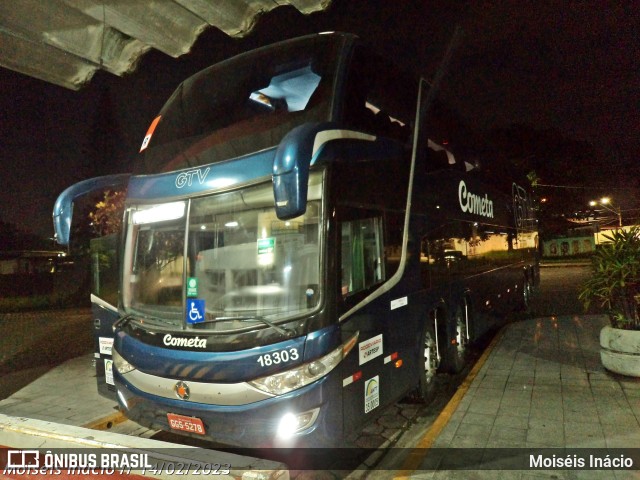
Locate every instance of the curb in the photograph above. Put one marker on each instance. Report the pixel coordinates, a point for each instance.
(418, 453)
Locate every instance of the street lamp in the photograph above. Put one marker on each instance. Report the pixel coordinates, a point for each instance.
(604, 202)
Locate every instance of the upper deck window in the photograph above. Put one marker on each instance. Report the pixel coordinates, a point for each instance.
(290, 90)
(380, 97)
(245, 104)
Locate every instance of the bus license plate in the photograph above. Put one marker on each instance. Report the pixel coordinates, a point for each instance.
(186, 424)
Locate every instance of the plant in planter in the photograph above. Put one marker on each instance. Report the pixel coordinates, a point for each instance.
(615, 285)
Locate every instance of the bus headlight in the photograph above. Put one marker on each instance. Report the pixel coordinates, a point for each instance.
(121, 365)
(284, 382)
(290, 423)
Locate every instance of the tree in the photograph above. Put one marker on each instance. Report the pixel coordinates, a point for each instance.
(106, 218)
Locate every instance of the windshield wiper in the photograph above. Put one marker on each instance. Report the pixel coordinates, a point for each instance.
(285, 332)
(124, 321)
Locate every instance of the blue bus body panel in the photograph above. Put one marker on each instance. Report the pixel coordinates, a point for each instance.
(253, 424)
(230, 366)
(321, 342)
(201, 179)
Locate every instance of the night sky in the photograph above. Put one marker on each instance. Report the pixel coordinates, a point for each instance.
(568, 66)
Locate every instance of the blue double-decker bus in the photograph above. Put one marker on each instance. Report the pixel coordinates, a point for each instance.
(296, 254)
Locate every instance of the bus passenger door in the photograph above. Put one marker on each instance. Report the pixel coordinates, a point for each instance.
(370, 381)
(104, 298)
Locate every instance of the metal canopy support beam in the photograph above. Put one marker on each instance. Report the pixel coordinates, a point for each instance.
(161, 24)
(44, 62)
(66, 41)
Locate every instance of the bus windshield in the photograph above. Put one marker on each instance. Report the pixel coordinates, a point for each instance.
(243, 105)
(241, 260)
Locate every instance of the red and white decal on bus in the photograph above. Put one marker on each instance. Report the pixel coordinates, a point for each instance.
(369, 349)
(353, 378)
(147, 137)
(393, 356)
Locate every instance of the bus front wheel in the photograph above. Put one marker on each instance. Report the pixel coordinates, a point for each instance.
(428, 364)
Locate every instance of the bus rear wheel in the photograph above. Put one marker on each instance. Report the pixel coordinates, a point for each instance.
(428, 365)
(527, 290)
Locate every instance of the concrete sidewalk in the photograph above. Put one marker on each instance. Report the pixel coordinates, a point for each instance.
(68, 395)
(62, 412)
(542, 386)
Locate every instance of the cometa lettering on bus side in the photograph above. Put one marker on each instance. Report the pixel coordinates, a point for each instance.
(195, 342)
(472, 203)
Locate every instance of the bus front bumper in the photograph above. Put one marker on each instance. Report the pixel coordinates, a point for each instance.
(308, 417)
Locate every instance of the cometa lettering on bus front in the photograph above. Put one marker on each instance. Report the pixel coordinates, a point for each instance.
(472, 203)
(195, 342)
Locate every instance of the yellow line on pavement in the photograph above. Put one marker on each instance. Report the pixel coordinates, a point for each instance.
(417, 454)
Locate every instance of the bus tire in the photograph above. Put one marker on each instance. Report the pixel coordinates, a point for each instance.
(428, 363)
(458, 348)
(527, 290)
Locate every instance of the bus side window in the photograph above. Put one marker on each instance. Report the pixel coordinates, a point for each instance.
(362, 254)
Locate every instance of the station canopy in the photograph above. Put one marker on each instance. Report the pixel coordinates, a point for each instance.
(65, 42)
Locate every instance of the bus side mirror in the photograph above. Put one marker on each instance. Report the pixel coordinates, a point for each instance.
(291, 170)
(298, 150)
(63, 208)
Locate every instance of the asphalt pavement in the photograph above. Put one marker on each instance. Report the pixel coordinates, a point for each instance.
(32, 343)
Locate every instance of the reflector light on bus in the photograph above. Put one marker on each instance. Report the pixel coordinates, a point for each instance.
(159, 213)
(123, 400)
(120, 364)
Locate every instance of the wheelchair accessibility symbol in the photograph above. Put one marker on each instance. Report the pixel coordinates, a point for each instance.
(195, 310)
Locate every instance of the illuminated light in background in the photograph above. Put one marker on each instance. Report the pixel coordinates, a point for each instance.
(159, 213)
(265, 259)
(221, 182)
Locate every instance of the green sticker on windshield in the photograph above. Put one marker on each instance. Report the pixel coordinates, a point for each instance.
(192, 287)
(266, 245)
(266, 250)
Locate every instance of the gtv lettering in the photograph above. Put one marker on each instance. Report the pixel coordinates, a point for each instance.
(472, 203)
(186, 178)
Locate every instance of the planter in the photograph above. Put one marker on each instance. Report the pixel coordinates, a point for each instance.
(620, 350)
